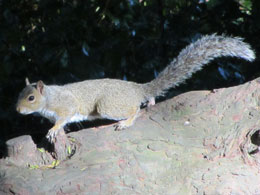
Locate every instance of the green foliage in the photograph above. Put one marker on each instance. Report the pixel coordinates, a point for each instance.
(246, 6)
(41, 150)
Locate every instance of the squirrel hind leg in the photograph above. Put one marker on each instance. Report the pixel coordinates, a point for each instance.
(129, 121)
(151, 102)
(125, 110)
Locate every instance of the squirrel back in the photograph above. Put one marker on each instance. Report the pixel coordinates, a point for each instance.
(194, 57)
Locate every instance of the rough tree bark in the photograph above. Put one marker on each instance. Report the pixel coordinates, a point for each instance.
(203, 142)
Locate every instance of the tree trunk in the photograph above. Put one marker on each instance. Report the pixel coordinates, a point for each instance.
(202, 142)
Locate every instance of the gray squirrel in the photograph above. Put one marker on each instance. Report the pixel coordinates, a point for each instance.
(120, 100)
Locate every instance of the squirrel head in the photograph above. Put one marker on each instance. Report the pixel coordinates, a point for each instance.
(31, 98)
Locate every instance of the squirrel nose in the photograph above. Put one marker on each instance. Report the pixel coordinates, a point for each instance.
(17, 109)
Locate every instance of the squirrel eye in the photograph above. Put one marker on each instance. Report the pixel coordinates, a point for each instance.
(31, 98)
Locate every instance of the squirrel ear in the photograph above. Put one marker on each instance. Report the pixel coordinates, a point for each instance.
(40, 86)
(27, 82)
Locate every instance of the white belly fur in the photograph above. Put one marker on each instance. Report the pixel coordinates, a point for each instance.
(53, 117)
(77, 118)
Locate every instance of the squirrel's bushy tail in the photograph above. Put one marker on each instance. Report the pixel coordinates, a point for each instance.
(193, 57)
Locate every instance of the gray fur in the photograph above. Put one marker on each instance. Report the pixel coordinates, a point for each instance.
(194, 57)
(26, 92)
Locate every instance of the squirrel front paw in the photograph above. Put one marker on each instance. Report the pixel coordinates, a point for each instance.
(53, 132)
(52, 135)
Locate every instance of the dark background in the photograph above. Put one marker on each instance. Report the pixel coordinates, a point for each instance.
(63, 41)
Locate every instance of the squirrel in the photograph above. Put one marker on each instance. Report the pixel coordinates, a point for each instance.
(118, 99)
